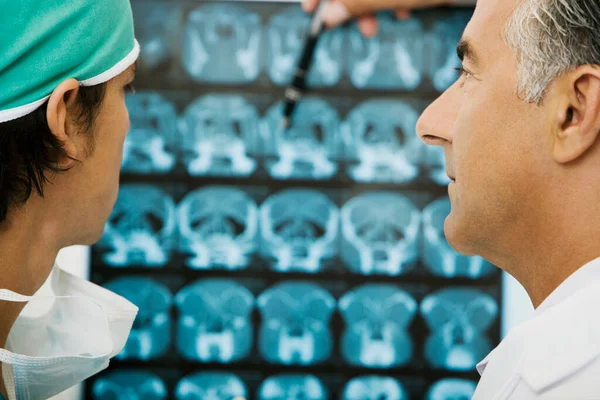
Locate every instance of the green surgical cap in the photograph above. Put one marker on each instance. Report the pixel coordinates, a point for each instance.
(44, 42)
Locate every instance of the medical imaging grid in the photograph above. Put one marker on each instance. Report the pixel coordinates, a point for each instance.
(284, 264)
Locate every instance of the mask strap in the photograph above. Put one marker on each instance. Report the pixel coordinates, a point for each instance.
(9, 295)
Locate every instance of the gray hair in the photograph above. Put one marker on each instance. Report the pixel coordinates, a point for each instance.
(551, 38)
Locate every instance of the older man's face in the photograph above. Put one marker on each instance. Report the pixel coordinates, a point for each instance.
(496, 145)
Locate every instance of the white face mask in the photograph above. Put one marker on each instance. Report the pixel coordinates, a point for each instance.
(64, 338)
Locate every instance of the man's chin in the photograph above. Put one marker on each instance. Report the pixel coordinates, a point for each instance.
(458, 236)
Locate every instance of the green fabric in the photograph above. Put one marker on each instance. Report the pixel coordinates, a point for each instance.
(44, 42)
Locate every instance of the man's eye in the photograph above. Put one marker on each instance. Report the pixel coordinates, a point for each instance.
(463, 72)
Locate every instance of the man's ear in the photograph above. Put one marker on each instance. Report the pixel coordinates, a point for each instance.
(62, 106)
(579, 114)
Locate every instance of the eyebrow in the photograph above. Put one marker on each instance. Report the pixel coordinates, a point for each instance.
(465, 50)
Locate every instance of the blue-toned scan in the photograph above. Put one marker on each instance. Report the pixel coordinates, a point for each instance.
(148, 146)
(292, 387)
(438, 256)
(374, 388)
(377, 317)
(458, 319)
(451, 389)
(380, 232)
(151, 333)
(129, 385)
(155, 27)
(299, 230)
(211, 386)
(434, 161)
(441, 49)
(381, 136)
(141, 228)
(286, 32)
(214, 321)
(295, 323)
(391, 60)
(219, 227)
(219, 132)
(221, 44)
(309, 148)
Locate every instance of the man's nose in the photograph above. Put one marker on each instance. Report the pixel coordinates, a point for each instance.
(436, 124)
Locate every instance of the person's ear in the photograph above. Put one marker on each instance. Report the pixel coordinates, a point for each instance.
(60, 114)
(578, 114)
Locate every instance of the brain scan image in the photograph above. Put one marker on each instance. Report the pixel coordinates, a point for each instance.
(391, 60)
(141, 228)
(221, 44)
(150, 336)
(219, 132)
(129, 385)
(286, 32)
(211, 386)
(292, 387)
(381, 136)
(155, 27)
(299, 230)
(441, 46)
(214, 321)
(218, 225)
(374, 388)
(309, 148)
(458, 319)
(148, 147)
(377, 317)
(438, 256)
(451, 389)
(380, 232)
(295, 324)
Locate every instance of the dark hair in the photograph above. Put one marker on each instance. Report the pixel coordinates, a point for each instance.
(28, 149)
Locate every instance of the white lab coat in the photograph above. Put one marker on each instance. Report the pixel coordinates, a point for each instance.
(556, 354)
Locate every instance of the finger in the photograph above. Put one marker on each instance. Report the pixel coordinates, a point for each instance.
(309, 5)
(368, 26)
(336, 13)
(362, 7)
(402, 13)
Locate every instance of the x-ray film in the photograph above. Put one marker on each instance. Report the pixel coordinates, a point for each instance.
(458, 319)
(156, 24)
(286, 32)
(292, 387)
(221, 44)
(374, 388)
(141, 229)
(219, 227)
(219, 133)
(214, 321)
(149, 144)
(299, 230)
(295, 324)
(151, 332)
(211, 386)
(441, 48)
(380, 232)
(438, 256)
(451, 389)
(129, 384)
(391, 60)
(377, 317)
(310, 148)
(381, 136)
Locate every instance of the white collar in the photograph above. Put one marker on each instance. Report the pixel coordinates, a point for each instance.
(581, 278)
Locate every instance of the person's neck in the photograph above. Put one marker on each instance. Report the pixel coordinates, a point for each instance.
(542, 259)
(28, 248)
